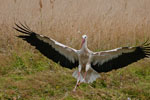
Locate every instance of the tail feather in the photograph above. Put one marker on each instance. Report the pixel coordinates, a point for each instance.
(91, 76)
(75, 75)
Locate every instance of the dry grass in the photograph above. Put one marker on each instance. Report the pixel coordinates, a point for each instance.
(108, 24)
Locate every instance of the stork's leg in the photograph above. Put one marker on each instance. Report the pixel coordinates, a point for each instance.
(85, 74)
(77, 84)
(78, 79)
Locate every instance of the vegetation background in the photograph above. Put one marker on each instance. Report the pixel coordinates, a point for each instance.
(25, 74)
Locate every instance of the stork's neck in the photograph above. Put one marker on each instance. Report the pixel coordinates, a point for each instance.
(84, 45)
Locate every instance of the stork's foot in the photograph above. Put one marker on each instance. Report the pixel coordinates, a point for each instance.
(74, 89)
(79, 84)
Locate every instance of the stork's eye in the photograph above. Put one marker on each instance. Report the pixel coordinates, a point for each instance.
(84, 36)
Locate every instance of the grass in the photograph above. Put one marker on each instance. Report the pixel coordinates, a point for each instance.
(25, 74)
(33, 76)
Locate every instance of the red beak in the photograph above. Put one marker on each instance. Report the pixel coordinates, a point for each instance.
(82, 42)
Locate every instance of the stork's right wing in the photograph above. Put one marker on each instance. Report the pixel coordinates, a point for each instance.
(59, 53)
(105, 61)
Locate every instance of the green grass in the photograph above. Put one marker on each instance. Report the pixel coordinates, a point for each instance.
(31, 76)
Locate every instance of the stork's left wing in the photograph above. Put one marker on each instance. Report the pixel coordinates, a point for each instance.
(120, 57)
(59, 53)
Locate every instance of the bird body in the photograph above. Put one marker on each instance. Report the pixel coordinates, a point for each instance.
(84, 67)
(89, 63)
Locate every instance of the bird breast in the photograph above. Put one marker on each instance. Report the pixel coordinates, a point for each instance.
(84, 59)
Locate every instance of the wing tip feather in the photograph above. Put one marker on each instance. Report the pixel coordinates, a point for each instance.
(23, 28)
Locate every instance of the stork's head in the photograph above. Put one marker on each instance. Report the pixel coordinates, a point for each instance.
(84, 39)
(84, 36)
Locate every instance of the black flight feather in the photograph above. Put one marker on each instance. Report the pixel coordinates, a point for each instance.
(45, 48)
(124, 59)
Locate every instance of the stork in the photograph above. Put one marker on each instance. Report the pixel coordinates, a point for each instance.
(89, 63)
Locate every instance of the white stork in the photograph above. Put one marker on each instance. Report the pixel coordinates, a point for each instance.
(89, 63)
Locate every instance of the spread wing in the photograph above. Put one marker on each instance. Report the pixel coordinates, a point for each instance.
(120, 57)
(59, 53)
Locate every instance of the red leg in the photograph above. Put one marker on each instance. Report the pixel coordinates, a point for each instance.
(85, 75)
(78, 83)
